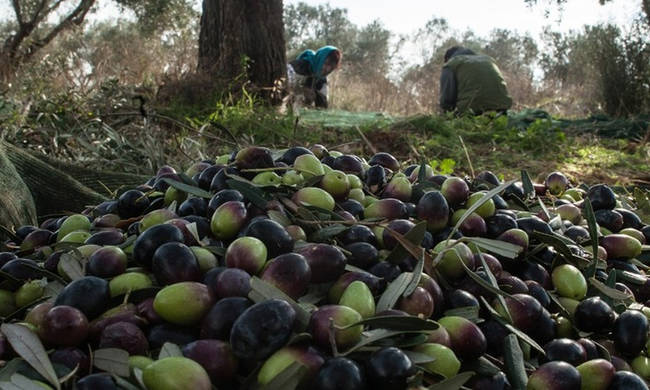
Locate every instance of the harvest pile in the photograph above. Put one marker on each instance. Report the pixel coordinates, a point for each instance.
(312, 269)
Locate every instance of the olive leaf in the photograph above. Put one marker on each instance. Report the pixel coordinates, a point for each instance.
(124, 384)
(609, 291)
(29, 347)
(19, 382)
(527, 184)
(627, 276)
(254, 194)
(565, 313)
(404, 341)
(20, 312)
(602, 351)
(279, 217)
(639, 264)
(287, 379)
(66, 246)
(129, 240)
(216, 250)
(419, 358)
(185, 178)
(262, 291)
(306, 214)
(10, 233)
(487, 196)
(394, 291)
(173, 206)
(191, 227)
(189, 189)
(300, 338)
(560, 244)
(372, 336)
(483, 366)
(10, 368)
(10, 277)
(70, 374)
(169, 350)
(588, 211)
(544, 209)
(417, 275)
(112, 360)
(521, 335)
(498, 247)
(513, 358)
(137, 374)
(324, 234)
(329, 215)
(414, 236)
(486, 285)
(71, 264)
(518, 202)
(454, 383)
(469, 312)
(315, 293)
(493, 281)
(422, 172)
(352, 268)
(401, 323)
(312, 181)
(611, 280)
(43, 272)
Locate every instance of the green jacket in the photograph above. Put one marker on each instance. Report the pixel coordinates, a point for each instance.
(473, 82)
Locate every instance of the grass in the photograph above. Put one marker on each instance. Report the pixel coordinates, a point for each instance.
(121, 139)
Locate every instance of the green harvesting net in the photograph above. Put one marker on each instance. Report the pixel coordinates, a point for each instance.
(343, 119)
(601, 125)
(35, 185)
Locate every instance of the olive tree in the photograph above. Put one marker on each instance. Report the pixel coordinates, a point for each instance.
(243, 40)
(645, 6)
(35, 24)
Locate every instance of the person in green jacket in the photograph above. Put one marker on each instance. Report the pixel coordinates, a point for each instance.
(472, 83)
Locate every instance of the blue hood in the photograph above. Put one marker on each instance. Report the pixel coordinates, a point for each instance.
(317, 59)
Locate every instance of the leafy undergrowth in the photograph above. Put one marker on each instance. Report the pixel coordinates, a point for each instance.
(121, 138)
(473, 144)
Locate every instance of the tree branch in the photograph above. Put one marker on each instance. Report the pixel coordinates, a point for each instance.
(17, 10)
(37, 16)
(10, 47)
(55, 6)
(25, 28)
(75, 18)
(43, 12)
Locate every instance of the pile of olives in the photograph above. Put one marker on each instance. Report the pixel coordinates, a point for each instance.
(313, 269)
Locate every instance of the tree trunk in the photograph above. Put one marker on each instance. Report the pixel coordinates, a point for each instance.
(243, 40)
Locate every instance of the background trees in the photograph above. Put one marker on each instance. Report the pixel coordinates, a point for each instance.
(36, 24)
(596, 69)
(30, 30)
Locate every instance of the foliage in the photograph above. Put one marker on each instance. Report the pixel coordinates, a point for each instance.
(645, 6)
(624, 69)
(312, 27)
(610, 65)
(376, 75)
(103, 126)
(158, 16)
(36, 25)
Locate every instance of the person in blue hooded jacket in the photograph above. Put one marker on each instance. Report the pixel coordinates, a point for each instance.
(307, 74)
